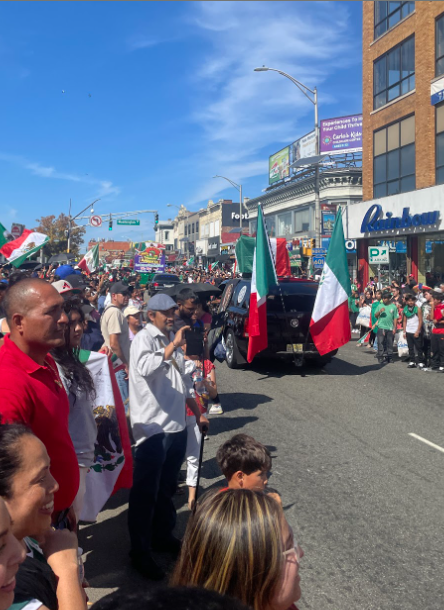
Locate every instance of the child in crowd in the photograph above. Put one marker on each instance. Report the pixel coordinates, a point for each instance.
(244, 462)
(387, 316)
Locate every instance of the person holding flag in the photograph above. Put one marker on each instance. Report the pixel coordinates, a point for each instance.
(330, 325)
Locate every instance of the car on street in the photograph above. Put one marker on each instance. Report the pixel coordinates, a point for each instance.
(160, 281)
(289, 309)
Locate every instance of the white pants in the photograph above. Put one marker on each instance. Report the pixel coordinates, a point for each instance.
(193, 448)
(80, 497)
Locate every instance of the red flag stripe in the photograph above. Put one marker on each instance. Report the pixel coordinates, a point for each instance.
(257, 321)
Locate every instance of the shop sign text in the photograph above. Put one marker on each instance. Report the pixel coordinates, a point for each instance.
(374, 220)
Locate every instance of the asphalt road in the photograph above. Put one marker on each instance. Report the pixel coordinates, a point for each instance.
(365, 498)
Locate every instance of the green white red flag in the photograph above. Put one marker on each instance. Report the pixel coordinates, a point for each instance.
(263, 278)
(90, 262)
(330, 325)
(18, 250)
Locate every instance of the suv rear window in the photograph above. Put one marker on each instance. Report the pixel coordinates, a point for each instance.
(298, 296)
(166, 278)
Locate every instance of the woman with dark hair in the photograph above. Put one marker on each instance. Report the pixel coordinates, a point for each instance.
(12, 554)
(79, 386)
(49, 577)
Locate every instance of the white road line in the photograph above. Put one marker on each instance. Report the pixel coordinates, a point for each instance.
(424, 440)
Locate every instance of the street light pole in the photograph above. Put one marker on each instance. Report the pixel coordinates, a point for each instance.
(239, 188)
(314, 100)
(70, 220)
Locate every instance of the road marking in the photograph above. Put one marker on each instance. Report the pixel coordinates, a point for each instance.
(424, 440)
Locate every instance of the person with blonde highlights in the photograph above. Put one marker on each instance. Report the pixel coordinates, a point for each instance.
(239, 543)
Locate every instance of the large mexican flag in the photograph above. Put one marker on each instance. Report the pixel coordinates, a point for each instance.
(263, 278)
(23, 247)
(113, 465)
(330, 325)
(90, 262)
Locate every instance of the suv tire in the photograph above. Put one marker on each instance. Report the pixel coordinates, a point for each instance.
(231, 350)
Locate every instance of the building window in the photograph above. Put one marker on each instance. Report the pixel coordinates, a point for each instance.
(166, 235)
(394, 73)
(186, 228)
(387, 14)
(302, 220)
(439, 46)
(285, 224)
(197, 227)
(440, 144)
(394, 158)
(192, 227)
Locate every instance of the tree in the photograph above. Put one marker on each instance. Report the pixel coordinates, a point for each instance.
(57, 231)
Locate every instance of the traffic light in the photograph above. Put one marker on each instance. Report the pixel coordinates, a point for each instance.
(313, 243)
(156, 219)
(110, 226)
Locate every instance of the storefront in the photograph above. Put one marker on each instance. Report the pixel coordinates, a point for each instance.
(410, 226)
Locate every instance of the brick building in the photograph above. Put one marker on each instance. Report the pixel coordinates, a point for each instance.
(403, 141)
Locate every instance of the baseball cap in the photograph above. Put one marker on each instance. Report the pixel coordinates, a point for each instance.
(131, 311)
(161, 302)
(63, 271)
(119, 288)
(386, 294)
(62, 286)
(76, 281)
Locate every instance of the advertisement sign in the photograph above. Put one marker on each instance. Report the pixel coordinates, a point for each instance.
(437, 91)
(230, 215)
(153, 257)
(328, 221)
(279, 165)
(213, 246)
(378, 255)
(304, 147)
(341, 135)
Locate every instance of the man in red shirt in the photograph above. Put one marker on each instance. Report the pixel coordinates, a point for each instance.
(437, 344)
(30, 388)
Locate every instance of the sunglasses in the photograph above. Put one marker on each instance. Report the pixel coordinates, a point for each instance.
(296, 549)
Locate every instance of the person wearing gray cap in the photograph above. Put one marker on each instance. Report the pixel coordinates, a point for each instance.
(159, 392)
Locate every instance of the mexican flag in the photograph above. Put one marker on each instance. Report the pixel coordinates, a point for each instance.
(90, 262)
(263, 278)
(112, 468)
(244, 251)
(23, 247)
(330, 325)
(5, 235)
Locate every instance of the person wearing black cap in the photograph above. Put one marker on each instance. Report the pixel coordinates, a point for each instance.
(160, 389)
(114, 327)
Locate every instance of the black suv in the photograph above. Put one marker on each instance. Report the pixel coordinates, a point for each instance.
(284, 328)
(161, 281)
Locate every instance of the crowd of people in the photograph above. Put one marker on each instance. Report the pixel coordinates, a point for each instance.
(410, 315)
(48, 434)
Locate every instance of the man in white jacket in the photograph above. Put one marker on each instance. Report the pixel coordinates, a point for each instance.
(159, 393)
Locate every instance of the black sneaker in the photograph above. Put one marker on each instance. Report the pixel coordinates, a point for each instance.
(412, 365)
(147, 567)
(381, 360)
(390, 361)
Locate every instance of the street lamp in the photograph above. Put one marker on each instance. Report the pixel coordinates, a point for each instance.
(314, 100)
(239, 188)
(70, 220)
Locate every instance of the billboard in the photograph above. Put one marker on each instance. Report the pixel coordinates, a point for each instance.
(279, 165)
(341, 135)
(304, 147)
(153, 257)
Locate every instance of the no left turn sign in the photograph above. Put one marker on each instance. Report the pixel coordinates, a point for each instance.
(95, 221)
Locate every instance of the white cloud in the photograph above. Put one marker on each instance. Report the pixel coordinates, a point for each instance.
(241, 112)
(141, 42)
(104, 188)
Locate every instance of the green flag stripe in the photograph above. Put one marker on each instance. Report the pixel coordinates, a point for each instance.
(337, 255)
(265, 268)
(21, 259)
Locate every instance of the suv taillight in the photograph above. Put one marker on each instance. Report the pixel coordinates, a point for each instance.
(155, 284)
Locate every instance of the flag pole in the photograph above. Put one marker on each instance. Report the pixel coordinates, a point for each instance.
(297, 362)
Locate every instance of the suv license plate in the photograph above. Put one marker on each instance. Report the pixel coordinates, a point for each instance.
(168, 285)
(297, 347)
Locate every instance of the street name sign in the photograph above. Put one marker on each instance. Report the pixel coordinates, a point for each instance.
(378, 256)
(133, 223)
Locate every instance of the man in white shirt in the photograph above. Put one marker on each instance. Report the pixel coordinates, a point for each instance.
(159, 392)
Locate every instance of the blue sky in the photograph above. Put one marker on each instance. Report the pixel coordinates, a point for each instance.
(159, 97)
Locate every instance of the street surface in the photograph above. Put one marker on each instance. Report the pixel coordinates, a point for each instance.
(364, 497)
